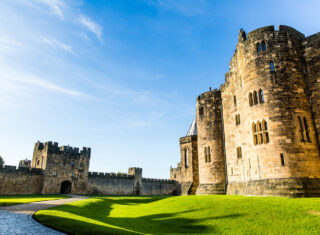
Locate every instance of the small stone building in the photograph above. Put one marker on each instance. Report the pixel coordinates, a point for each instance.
(259, 133)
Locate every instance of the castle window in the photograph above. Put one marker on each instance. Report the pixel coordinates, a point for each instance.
(54, 174)
(72, 163)
(261, 96)
(260, 132)
(207, 154)
(239, 152)
(250, 99)
(72, 174)
(201, 111)
(265, 131)
(38, 162)
(302, 139)
(258, 47)
(282, 159)
(263, 46)
(255, 135)
(231, 171)
(272, 68)
(235, 100)
(255, 97)
(237, 119)
(186, 158)
(306, 129)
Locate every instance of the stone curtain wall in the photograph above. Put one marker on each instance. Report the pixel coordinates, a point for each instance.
(14, 182)
(158, 187)
(123, 184)
(110, 184)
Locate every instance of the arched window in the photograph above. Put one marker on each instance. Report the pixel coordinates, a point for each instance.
(255, 97)
(186, 163)
(72, 163)
(250, 99)
(259, 126)
(263, 46)
(260, 132)
(258, 47)
(272, 69)
(261, 96)
(301, 130)
(306, 129)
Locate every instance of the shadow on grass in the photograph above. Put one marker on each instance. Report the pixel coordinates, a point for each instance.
(94, 219)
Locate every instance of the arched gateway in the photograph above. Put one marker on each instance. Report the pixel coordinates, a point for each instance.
(65, 187)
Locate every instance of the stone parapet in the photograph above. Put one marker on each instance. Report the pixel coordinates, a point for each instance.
(208, 189)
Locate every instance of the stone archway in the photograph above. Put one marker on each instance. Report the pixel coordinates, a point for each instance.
(65, 187)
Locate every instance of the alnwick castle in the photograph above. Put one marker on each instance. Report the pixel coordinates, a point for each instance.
(258, 134)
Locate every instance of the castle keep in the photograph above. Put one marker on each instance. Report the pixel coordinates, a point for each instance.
(259, 133)
(65, 169)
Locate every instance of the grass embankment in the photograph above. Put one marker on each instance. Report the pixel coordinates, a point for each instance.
(186, 214)
(19, 199)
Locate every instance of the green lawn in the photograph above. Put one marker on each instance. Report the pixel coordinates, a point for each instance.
(186, 214)
(19, 199)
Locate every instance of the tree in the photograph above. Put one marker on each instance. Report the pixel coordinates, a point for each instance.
(1, 161)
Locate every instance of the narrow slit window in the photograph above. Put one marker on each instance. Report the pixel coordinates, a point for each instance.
(306, 128)
(186, 158)
(282, 159)
(272, 68)
(235, 100)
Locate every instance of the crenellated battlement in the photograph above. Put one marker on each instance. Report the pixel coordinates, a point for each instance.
(110, 175)
(152, 180)
(14, 170)
(53, 148)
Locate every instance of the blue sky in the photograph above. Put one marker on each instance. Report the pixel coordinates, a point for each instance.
(120, 76)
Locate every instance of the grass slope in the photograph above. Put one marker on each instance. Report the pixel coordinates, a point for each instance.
(186, 214)
(19, 199)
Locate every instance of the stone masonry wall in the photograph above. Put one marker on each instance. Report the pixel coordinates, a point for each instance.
(20, 182)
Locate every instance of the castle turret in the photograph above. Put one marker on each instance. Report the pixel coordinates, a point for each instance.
(210, 144)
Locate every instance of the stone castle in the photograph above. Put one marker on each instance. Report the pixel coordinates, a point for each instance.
(258, 134)
(65, 169)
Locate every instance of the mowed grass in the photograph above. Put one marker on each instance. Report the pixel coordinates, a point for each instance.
(186, 214)
(19, 199)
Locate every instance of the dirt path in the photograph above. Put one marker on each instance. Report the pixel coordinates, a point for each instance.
(17, 219)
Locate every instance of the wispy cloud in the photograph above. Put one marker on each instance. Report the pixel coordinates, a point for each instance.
(57, 7)
(19, 79)
(57, 45)
(91, 26)
(184, 7)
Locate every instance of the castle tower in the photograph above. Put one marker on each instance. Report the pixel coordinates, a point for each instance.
(65, 168)
(189, 170)
(210, 144)
(270, 140)
(137, 184)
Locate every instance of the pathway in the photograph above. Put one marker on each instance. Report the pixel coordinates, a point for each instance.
(17, 219)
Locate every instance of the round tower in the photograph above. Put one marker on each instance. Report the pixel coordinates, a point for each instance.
(270, 142)
(210, 144)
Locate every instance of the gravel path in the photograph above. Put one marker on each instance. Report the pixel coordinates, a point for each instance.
(17, 219)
